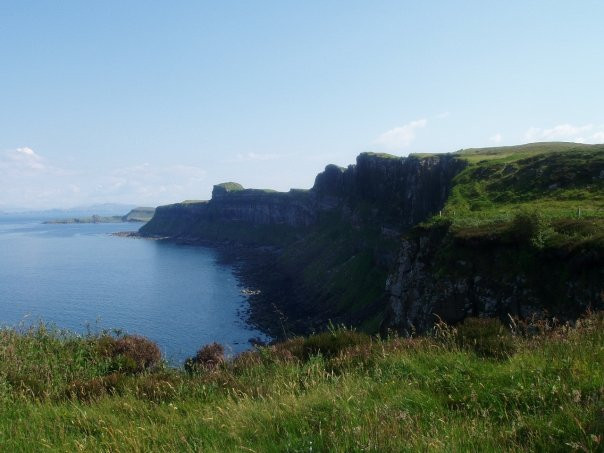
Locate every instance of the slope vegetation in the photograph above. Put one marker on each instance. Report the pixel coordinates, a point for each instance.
(476, 388)
(522, 232)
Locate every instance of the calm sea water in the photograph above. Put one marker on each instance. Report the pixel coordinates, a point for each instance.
(80, 277)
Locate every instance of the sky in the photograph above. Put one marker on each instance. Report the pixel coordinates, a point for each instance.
(154, 102)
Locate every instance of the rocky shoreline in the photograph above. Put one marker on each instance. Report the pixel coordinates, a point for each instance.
(266, 290)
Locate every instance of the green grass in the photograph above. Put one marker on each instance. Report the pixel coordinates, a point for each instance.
(380, 155)
(512, 153)
(230, 186)
(363, 394)
(560, 182)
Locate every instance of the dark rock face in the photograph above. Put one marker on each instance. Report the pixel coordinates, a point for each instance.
(258, 207)
(402, 191)
(485, 282)
(345, 227)
(348, 226)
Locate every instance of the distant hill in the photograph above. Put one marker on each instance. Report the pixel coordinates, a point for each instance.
(104, 209)
(140, 214)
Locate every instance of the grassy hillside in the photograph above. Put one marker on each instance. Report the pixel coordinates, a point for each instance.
(517, 152)
(140, 214)
(559, 187)
(342, 279)
(557, 179)
(480, 387)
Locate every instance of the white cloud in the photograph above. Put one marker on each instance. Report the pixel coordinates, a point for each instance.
(496, 138)
(248, 157)
(442, 115)
(28, 180)
(21, 160)
(587, 133)
(151, 183)
(598, 137)
(400, 137)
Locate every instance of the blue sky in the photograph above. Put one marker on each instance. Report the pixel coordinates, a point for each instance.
(154, 102)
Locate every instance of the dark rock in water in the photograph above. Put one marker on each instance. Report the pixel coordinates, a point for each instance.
(256, 341)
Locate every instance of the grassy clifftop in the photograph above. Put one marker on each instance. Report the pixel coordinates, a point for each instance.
(561, 185)
(557, 178)
(481, 387)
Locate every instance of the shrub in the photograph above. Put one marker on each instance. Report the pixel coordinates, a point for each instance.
(488, 337)
(131, 353)
(158, 388)
(27, 383)
(332, 342)
(246, 360)
(92, 389)
(288, 350)
(207, 358)
(353, 358)
(531, 227)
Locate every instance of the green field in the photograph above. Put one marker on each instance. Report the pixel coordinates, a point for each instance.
(556, 187)
(557, 179)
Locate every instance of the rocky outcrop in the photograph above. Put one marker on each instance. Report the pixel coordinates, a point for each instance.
(436, 278)
(332, 245)
(402, 192)
(140, 214)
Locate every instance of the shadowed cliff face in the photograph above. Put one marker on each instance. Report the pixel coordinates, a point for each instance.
(350, 249)
(336, 241)
(399, 192)
(438, 277)
(394, 192)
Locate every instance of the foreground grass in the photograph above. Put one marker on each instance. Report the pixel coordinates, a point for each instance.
(339, 392)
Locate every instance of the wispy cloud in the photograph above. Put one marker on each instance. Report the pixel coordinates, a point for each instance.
(598, 137)
(496, 138)
(151, 183)
(587, 133)
(21, 160)
(442, 115)
(29, 180)
(248, 157)
(400, 137)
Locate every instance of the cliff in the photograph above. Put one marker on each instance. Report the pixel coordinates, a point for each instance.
(396, 192)
(140, 214)
(439, 275)
(394, 242)
(335, 243)
(521, 234)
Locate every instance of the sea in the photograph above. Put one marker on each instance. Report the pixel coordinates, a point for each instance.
(82, 278)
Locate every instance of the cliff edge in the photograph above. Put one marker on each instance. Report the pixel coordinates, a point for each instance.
(394, 243)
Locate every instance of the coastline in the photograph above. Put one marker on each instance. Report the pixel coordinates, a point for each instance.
(265, 289)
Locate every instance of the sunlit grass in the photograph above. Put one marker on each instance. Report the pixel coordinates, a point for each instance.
(365, 394)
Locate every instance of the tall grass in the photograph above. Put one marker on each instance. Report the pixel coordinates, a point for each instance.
(339, 391)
